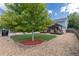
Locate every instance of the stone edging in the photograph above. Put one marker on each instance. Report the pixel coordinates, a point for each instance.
(71, 30)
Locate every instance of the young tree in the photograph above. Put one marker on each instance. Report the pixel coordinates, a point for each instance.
(30, 17)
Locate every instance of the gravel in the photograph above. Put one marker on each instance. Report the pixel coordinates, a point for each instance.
(64, 45)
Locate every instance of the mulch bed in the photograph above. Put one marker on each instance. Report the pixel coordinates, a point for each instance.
(30, 42)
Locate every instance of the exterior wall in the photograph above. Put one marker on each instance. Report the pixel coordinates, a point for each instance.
(63, 22)
(66, 24)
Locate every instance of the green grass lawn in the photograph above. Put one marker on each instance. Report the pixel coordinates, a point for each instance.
(43, 37)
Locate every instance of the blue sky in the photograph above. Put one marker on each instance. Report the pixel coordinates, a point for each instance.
(56, 10)
(1, 11)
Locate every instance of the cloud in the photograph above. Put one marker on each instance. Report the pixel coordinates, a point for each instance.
(63, 9)
(2, 6)
(50, 11)
(70, 8)
(55, 13)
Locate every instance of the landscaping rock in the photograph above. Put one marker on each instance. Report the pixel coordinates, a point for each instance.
(64, 45)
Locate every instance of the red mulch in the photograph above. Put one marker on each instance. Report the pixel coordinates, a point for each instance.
(30, 42)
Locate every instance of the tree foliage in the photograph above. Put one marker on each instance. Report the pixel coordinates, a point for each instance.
(74, 20)
(25, 17)
(8, 20)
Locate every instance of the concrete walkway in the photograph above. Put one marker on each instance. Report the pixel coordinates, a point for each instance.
(66, 44)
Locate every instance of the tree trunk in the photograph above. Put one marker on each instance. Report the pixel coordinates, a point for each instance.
(32, 34)
(24, 33)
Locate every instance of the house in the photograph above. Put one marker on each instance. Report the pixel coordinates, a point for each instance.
(63, 22)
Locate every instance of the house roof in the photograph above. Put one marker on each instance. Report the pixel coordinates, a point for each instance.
(60, 19)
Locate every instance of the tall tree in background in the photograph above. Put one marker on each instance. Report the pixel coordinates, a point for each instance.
(8, 20)
(28, 17)
(74, 20)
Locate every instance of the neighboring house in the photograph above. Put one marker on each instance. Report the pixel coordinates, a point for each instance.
(63, 22)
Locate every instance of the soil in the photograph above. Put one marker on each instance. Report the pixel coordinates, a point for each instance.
(30, 42)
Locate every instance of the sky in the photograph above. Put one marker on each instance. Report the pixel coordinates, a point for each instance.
(61, 10)
(1, 10)
(56, 10)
